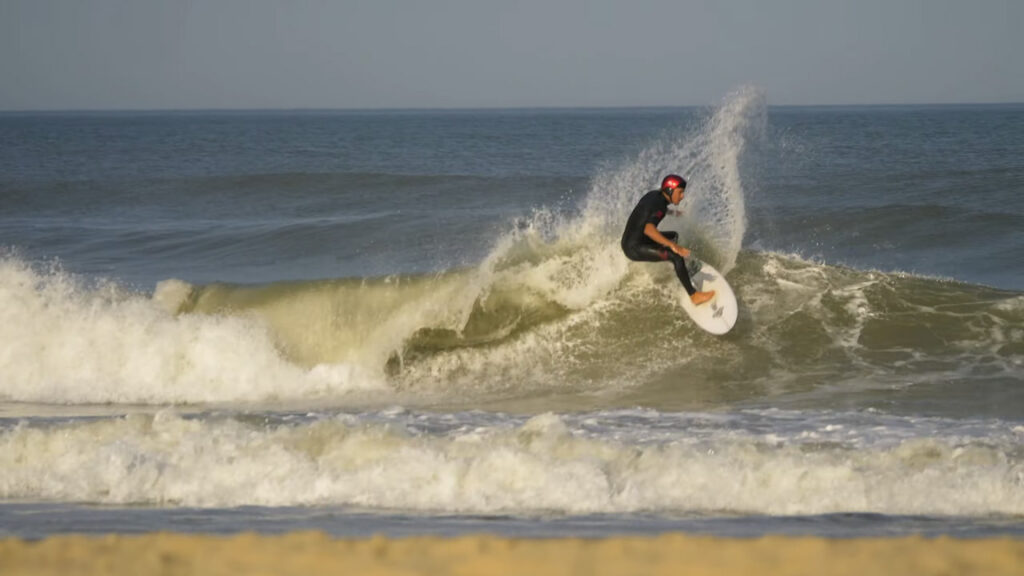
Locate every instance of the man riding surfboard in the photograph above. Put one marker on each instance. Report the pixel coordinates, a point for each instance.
(643, 242)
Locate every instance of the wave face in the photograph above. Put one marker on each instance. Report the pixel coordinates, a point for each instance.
(544, 319)
(611, 462)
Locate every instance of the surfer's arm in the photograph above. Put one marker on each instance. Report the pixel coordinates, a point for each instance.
(652, 232)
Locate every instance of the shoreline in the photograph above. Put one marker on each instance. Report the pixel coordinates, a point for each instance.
(672, 553)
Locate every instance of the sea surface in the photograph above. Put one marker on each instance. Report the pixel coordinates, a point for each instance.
(414, 321)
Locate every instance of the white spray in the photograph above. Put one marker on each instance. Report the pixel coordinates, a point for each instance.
(711, 161)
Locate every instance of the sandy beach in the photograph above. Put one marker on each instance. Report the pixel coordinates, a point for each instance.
(317, 553)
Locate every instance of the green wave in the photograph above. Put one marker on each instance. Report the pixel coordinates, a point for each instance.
(803, 326)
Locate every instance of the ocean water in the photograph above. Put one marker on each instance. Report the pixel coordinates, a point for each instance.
(410, 322)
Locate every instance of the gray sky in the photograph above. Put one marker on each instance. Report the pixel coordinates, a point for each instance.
(130, 54)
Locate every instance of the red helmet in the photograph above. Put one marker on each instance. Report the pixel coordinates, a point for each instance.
(673, 181)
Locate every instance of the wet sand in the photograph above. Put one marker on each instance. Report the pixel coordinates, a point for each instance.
(675, 554)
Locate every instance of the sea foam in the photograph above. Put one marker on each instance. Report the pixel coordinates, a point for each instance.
(63, 341)
(545, 464)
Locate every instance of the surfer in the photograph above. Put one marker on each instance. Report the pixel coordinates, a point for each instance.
(643, 242)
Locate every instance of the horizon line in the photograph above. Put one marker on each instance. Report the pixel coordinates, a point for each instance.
(304, 109)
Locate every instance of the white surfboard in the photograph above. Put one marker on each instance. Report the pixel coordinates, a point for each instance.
(717, 315)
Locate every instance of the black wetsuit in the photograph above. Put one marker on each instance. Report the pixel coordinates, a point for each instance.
(638, 246)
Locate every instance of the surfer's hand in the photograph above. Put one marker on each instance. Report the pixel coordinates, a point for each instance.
(680, 250)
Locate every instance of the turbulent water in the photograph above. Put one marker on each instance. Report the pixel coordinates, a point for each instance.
(415, 321)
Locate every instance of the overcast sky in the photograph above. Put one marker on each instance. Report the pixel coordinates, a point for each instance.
(153, 54)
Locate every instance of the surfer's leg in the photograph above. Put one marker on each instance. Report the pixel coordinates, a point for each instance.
(678, 262)
(682, 272)
(651, 252)
(646, 252)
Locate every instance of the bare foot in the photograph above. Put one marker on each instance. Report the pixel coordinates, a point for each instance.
(699, 298)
